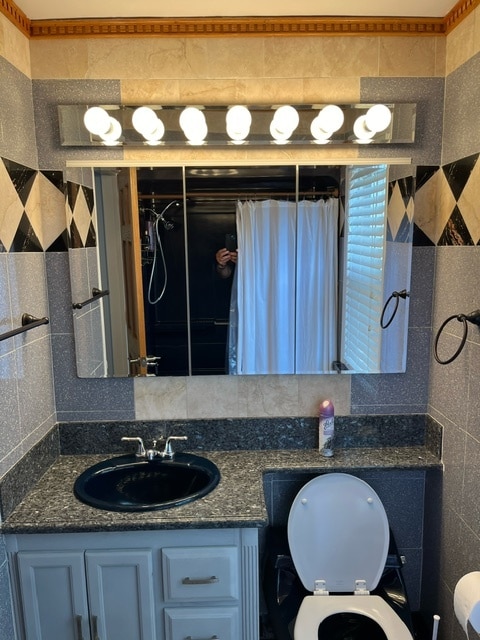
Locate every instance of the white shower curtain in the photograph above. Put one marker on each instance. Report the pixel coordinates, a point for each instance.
(284, 294)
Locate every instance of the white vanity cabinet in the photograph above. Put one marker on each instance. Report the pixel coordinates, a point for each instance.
(145, 585)
(77, 595)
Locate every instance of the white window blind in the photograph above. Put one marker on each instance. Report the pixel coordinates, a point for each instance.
(365, 236)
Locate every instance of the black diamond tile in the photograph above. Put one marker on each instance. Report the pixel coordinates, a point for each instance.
(389, 233)
(424, 174)
(72, 192)
(91, 239)
(405, 231)
(60, 244)
(456, 232)
(56, 178)
(2, 247)
(407, 188)
(458, 173)
(25, 239)
(89, 198)
(420, 239)
(75, 238)
(391, 187)
(22, 178)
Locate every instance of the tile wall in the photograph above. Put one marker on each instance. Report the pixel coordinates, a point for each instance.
(175, 70)
(454, 389)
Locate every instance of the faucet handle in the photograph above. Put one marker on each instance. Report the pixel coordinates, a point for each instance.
(168, 451)
(140, 453)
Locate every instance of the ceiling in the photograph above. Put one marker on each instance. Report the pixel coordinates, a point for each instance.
(69, 9)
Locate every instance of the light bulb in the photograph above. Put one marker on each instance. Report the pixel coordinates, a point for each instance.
(284, 122)
(360, 129)
(317, 131)
(238, 120)
(144, 120)
(378, 118)
(157, 133)
(331, 118)
(277, 134)
(114, 131)
(194, 125)
(96, 120)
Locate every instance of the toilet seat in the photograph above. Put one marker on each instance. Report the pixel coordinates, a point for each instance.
(338, 533)
(312, 613)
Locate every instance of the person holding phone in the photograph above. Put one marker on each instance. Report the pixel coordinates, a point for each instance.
(227, 256)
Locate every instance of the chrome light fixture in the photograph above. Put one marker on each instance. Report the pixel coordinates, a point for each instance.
(253, 125)
(98, 122)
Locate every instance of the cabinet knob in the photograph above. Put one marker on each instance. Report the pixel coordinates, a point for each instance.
(211, 638)
(210, 580)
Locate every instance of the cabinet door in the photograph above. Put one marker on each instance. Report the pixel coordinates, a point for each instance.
(120, 593)
(53, 595)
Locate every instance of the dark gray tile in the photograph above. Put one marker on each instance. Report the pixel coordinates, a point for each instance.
(456, 288)
(18, 130)
(82, 398)
(428, 94)
(471, 486)
(422, 286)
(454, 440)
(47, 95)
(461, 118)
(473, 417)
(397, 389)
(59, 292)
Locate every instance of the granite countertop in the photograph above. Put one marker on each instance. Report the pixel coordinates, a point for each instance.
(237, 501)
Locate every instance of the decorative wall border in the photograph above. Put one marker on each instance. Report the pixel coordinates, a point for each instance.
(202, 27)
(237, 26)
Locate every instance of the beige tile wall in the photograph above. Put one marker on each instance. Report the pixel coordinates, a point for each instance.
(14, 46)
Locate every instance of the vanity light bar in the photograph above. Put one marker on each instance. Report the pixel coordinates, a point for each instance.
(197, 125)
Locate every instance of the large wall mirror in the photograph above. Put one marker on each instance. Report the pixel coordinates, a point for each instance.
(240, 269)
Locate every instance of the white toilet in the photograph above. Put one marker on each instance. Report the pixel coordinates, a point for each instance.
(338, 535)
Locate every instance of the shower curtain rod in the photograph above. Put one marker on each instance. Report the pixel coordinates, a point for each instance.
(333, 193)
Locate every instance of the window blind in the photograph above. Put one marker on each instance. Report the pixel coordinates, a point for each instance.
(365, 236)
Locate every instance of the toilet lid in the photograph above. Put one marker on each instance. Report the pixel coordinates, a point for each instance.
(338, 532)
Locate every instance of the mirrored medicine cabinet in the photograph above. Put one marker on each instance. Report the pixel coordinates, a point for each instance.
(314, 254)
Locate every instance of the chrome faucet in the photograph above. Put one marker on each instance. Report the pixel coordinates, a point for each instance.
(153, 453)
(140, 452)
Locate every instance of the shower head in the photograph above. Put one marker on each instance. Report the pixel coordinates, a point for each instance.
(168, 225)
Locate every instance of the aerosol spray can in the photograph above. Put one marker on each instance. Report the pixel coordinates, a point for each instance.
(326, 428)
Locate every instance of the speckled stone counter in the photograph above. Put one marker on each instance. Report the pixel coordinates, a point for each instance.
(237, 501)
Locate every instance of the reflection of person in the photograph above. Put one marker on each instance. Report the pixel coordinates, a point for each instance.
(225, 261)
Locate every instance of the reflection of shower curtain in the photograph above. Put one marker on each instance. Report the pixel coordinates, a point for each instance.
(284, 294)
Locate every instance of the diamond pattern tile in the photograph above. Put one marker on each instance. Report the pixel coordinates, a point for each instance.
(45, 208)
(82, 217)
(11, 209)
(397, 209)
(468, 203)
(458, 174)
(456, 231)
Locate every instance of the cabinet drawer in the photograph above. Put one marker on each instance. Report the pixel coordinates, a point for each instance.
(200, 573)
(203, 623)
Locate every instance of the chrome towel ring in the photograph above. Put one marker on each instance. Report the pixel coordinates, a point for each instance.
(473, 317)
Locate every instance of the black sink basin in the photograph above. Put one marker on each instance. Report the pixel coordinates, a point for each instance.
(128, 483)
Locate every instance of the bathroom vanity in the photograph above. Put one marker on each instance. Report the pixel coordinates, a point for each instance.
(188, 572)
(138, 585)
